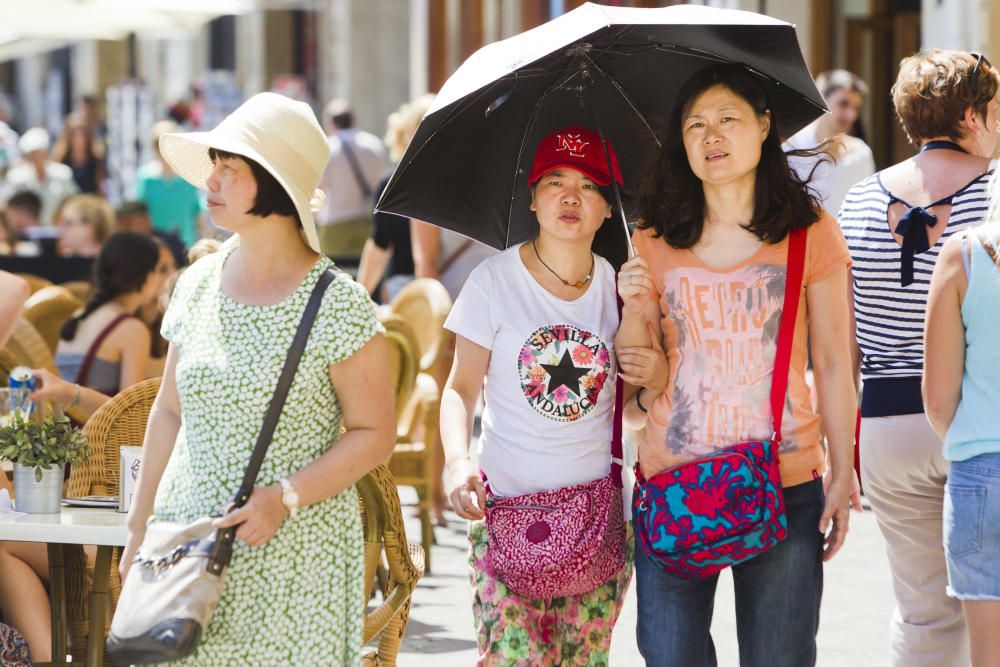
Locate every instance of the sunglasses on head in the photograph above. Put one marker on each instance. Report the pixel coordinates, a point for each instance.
(974, 77)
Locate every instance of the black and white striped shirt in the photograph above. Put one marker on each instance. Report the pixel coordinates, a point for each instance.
(890, 318)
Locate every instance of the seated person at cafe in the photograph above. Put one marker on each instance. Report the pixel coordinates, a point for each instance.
(103, 348)
(23, 210)
(84, 222)
(134, 215)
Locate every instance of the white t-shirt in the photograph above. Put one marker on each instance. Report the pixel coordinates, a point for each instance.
(832, 181)
(550, 385)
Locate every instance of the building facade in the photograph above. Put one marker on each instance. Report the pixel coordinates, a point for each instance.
(380, 53)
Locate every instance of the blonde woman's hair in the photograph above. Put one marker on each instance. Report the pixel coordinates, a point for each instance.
(93, 210)
(402, 124)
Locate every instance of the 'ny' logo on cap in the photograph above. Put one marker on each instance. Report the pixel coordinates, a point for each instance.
(573, 143)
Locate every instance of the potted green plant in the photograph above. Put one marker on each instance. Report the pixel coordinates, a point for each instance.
(40, 447)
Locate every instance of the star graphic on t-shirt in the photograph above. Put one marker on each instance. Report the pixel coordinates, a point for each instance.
(565, 374)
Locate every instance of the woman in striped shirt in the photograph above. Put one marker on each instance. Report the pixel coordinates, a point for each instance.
(895, 223)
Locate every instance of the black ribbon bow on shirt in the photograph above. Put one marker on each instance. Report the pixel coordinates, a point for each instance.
(913, 228)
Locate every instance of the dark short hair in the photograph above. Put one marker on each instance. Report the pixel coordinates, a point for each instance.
(27, 200)
(132, 207)
(272, 199)
(340, 114)
(672, 198)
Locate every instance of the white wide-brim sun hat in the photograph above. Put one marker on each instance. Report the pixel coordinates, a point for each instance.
(278, 133)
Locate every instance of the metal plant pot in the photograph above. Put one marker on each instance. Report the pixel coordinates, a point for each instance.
(34, 497)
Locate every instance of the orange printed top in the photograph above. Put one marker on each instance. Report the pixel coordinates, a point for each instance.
(720, 332)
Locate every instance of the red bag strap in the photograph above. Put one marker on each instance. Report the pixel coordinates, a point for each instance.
(617, 454)
(786, 331)
(88, 360)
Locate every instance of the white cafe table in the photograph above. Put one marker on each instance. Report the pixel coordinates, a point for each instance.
(73, 525)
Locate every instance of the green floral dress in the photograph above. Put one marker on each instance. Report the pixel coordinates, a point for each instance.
(298, 599)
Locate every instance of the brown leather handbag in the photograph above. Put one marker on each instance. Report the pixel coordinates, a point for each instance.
(175, 580)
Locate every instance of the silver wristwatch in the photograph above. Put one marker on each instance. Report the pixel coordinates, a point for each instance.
(289, 496)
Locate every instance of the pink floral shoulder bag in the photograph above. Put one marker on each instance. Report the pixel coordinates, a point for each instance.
(563, 542)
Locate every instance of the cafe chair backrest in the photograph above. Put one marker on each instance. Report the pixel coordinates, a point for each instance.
(120, 421)
(385, 535)
(402, 357)
(35, 283)
(424, 305)
(48, 309)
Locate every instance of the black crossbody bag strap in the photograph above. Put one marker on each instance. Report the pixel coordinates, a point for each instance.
(352, 159)
(226, 536)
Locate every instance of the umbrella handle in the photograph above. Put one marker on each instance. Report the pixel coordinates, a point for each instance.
(621, 212)
(585, 70)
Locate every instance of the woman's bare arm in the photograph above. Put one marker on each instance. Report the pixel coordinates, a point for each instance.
(944, 338)
(13, 293)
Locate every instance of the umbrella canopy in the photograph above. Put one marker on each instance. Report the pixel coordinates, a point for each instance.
(618, 69)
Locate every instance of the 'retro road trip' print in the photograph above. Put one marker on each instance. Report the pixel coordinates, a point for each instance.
(562, 370)
(727, 330)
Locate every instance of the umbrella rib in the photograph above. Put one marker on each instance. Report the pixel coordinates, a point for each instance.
(520, 153)
(628, 100)
(698, 53)
(569, 71)
(695, 53)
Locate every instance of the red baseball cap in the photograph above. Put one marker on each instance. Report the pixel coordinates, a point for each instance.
(578, 148)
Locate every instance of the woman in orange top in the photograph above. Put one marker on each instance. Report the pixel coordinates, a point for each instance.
(712, 245)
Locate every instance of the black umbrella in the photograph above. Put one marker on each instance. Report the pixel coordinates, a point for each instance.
(616, 69)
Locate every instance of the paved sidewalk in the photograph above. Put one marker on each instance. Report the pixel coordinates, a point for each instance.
(857, 603)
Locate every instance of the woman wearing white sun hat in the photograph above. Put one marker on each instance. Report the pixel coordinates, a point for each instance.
(293, 593)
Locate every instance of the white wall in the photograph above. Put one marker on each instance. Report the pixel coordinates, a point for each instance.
(795, 12)
(365, 57)
(954, 24)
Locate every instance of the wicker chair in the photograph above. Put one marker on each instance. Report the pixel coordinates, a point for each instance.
(417, 401)
(35, 283)
(120, 421)
(402, 357)
(80, 289)
(48, 309)
(424, 304)
(382, 518)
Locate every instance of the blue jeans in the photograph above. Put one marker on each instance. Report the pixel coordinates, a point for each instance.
(778, 596)
(972, 528)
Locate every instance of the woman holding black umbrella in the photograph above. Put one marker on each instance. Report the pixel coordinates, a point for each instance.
(538, 323)
(718, 213)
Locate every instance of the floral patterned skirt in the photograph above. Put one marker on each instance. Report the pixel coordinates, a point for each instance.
(517, 631)
(13, 648)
